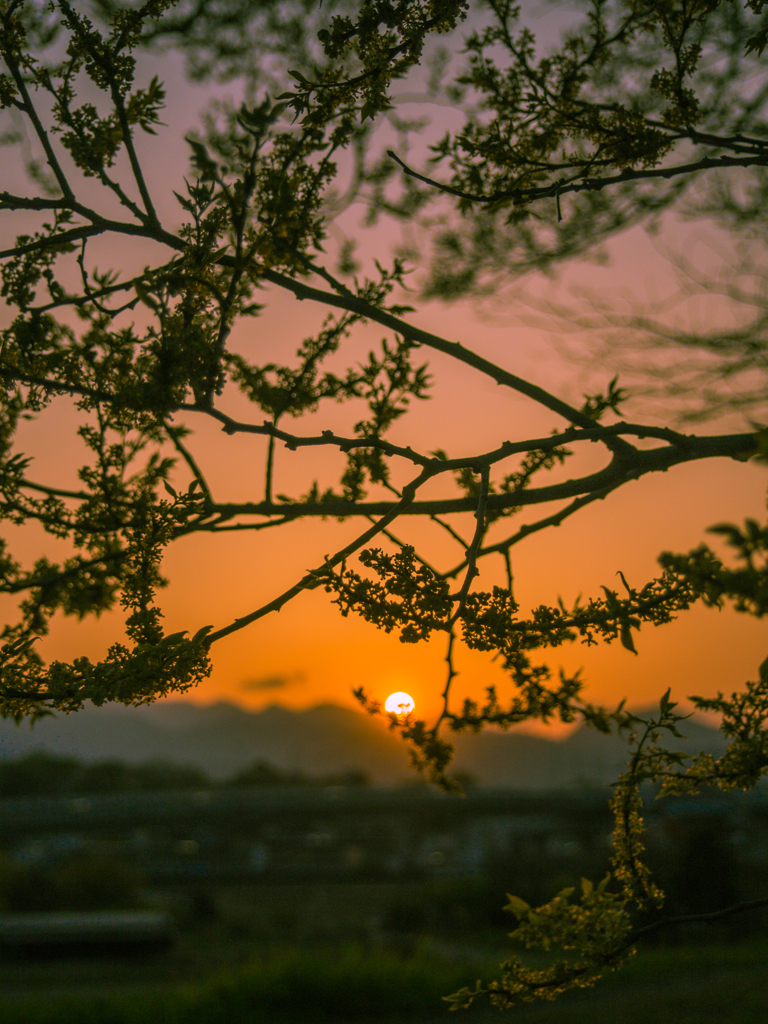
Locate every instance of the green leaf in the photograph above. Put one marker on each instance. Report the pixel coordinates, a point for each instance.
(517, 906)
(625, 636)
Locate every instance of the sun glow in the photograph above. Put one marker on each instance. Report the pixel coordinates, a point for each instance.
(399, 703)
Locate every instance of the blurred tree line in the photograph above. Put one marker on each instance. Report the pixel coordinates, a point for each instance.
(41, 773)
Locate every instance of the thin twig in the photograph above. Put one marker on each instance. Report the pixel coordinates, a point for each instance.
(474, 548)
(181, 448)
(450, 676)
(508, 567)
(269, 468)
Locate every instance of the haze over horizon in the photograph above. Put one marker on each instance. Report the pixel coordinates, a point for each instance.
(223, 739)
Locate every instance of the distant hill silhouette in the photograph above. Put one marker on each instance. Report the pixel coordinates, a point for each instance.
(223, 738)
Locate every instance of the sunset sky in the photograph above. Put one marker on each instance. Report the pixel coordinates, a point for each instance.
(308, 653)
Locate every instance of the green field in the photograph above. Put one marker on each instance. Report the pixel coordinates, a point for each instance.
(684, 985)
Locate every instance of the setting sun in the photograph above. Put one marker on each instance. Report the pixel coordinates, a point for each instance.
(399, 703)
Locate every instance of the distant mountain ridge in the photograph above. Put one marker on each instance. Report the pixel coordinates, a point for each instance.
(223, 738)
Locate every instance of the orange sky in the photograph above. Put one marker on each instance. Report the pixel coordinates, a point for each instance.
(318, 655)
(322, 656)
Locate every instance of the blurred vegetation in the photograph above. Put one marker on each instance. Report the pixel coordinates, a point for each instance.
(40, 773)
(685, 985)
(263, 773)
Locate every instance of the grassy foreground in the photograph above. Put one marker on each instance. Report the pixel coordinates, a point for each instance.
(686, 985)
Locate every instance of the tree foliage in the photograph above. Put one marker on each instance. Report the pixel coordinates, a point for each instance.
(644, 106)
(639, 105)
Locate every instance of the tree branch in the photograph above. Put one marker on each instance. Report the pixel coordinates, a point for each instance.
(344, 299)
(315, 576)
(523, 196)
(736, 446)
(503, 546)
